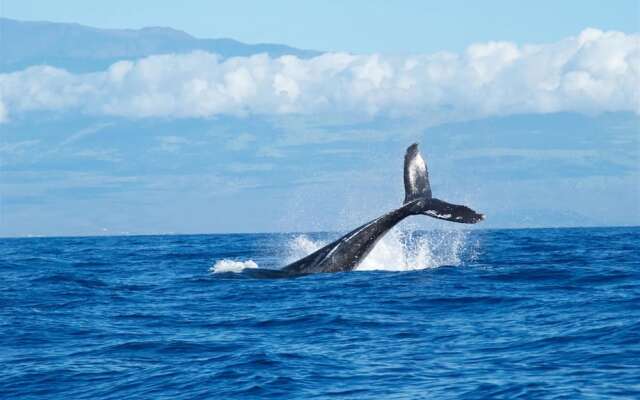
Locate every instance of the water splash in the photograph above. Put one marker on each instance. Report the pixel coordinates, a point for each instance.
(409, 250)
(226, 265)
(300, 246)
(399, 250)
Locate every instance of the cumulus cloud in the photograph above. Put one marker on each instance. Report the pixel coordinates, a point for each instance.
(593, 72)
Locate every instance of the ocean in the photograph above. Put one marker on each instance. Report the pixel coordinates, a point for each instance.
(528, 313)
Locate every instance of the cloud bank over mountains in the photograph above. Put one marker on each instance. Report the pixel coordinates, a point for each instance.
(592, 72)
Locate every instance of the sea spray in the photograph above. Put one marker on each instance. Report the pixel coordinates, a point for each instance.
(227, 265)
(299, 247)
(410, 250)
(399, 250)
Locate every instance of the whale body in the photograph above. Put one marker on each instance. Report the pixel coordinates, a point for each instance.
(345, 253)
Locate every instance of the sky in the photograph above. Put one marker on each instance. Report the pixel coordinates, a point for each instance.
(529, 114)
(360, 26)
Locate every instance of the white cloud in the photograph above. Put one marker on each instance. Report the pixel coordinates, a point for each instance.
(593, 72)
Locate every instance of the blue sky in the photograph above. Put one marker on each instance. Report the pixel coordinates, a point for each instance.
(529, 114)
(362, 26)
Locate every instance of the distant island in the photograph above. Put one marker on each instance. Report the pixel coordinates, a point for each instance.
(80, 48)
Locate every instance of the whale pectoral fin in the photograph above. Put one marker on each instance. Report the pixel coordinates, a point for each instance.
(416, 176)
(439, 209)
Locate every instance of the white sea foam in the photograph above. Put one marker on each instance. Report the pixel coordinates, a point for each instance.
(226, 265)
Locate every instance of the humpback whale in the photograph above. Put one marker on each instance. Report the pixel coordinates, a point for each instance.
(347, 252)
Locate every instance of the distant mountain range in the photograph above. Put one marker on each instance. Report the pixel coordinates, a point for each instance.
(80, 48)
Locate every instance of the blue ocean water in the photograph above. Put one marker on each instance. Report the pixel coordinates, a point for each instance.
(544, 313)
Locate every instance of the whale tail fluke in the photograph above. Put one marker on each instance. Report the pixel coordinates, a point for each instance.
(417, 191)
(416, 176)
(439, 209)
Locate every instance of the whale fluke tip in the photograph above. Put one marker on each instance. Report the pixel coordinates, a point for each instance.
(416, 178)
(413, 148)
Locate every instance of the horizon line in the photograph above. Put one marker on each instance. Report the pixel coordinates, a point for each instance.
(301, 232)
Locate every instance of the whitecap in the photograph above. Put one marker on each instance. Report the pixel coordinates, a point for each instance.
(226, 265)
